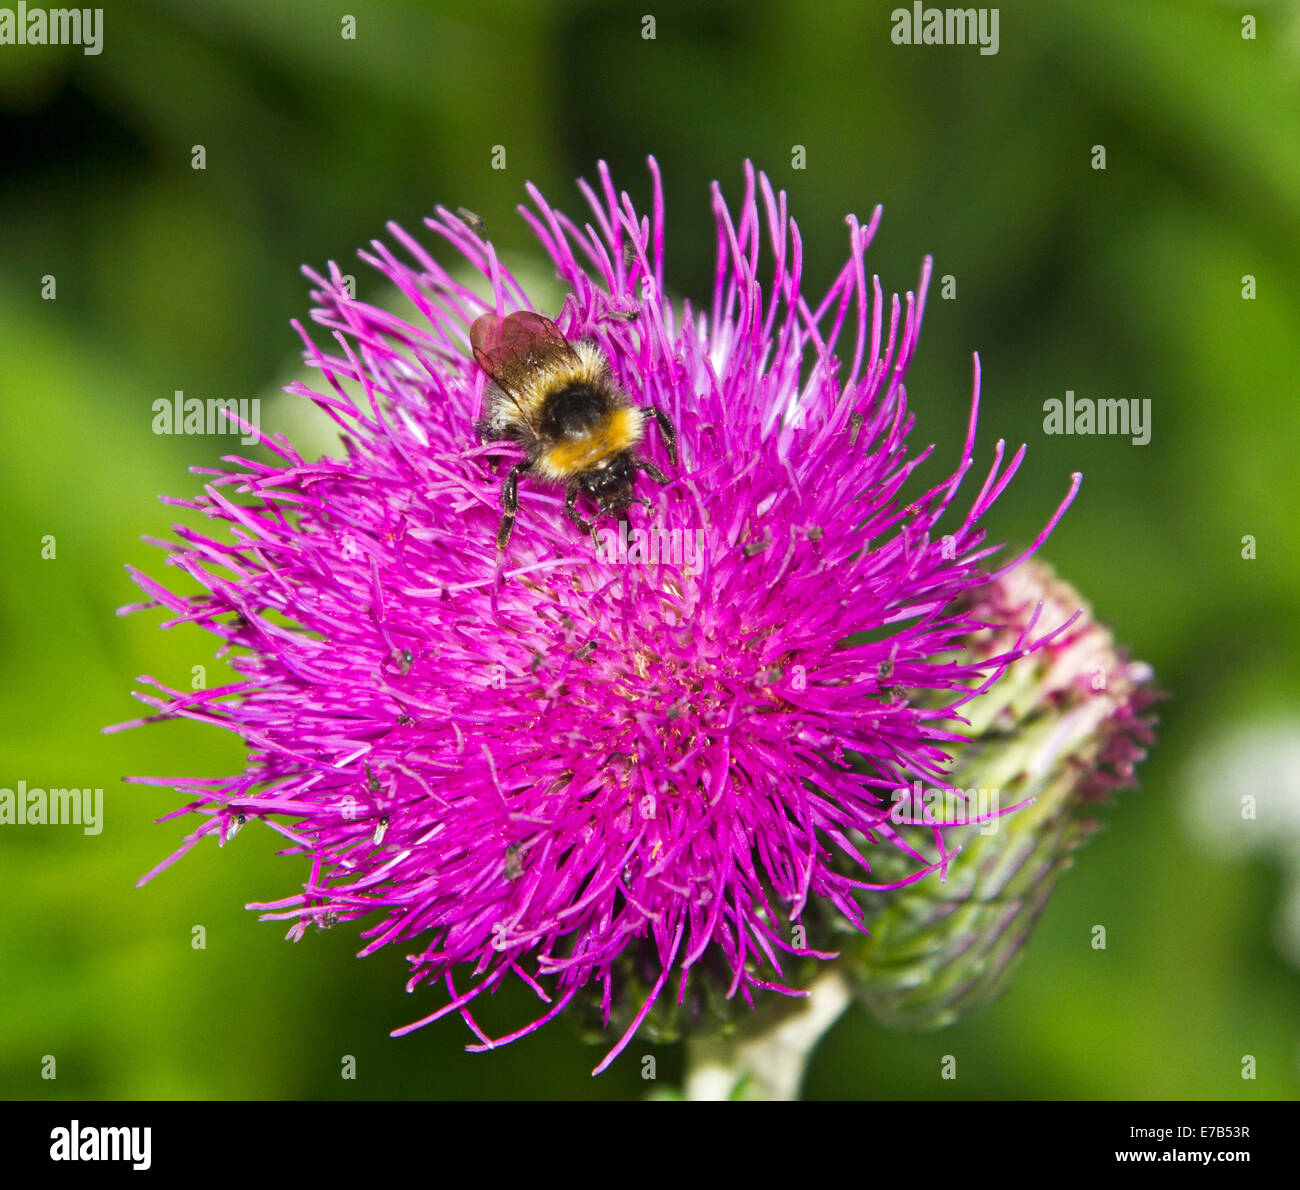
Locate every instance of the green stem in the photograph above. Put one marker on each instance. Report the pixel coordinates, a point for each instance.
(767, 1055)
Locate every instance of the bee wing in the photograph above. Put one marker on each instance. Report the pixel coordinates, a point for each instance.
(509, 349)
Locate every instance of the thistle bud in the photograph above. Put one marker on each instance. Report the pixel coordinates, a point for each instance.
(1062, 729)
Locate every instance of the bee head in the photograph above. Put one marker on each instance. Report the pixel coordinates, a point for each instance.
(610, 486)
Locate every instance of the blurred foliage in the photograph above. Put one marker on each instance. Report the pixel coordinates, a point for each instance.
(1122, 283)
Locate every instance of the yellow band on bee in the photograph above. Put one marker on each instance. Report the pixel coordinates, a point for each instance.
(619, 431)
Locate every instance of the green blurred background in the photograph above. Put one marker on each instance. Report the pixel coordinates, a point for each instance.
(1122, 283)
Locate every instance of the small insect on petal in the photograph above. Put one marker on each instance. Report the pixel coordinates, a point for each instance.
(472, 221)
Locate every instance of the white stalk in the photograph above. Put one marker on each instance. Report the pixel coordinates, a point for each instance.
(767, 1059)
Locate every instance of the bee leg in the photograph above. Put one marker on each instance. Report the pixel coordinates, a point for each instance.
(510, 502)
(651, 470)
(649, 504)
(571, 511)
(668, 434)
(504, 530)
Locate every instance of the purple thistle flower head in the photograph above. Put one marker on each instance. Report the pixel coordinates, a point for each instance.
(614, 771)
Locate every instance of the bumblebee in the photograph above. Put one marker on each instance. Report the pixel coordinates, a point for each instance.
(561, 403)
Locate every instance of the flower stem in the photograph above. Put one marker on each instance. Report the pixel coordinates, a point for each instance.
(767, 1056)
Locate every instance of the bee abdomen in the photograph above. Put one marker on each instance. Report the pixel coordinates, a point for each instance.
(574, 411)
(618, 429)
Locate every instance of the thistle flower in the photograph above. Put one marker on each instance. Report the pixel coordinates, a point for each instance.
(616, 776)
